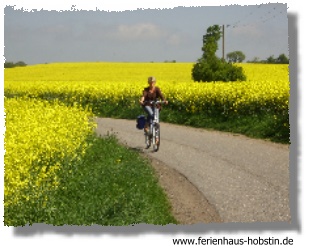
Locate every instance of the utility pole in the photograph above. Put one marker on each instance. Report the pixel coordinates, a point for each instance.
(223, 43)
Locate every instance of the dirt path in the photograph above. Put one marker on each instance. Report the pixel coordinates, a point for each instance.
(189, 205)
(212, 176)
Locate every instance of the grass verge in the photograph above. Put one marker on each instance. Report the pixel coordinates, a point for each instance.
(263, 126)
(111, 185)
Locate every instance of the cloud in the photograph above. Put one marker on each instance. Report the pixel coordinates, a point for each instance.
(249, 30)
(174, 39)
(144, 31)
(116, 33)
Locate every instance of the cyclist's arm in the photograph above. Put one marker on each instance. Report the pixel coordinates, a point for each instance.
(142, 99)
(162, 97)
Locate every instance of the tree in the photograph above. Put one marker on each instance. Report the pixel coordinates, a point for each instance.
(271, 59)
(210, 40)
(254, 60)
(20, 64)
(235, 57)
(282, 59)
(209, 67)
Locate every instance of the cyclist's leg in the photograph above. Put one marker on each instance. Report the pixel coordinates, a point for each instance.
(149, 111)
(150, 115)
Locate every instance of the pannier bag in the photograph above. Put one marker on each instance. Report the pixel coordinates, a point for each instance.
(140, 122)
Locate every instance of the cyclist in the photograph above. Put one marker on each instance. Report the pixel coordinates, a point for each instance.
(151, 93)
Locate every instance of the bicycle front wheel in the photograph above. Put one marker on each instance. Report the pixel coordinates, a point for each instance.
(148, 140)
(157, 137)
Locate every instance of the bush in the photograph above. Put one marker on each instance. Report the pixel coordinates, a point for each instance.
(217, 70)
(210, 68)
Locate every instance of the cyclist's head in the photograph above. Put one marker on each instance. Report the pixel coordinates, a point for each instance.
(151, 79)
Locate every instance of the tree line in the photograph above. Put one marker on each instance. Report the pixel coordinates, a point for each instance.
(12, 64)
(239, 56)
(281, 59)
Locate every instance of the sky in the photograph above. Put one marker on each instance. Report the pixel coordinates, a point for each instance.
(142, 35)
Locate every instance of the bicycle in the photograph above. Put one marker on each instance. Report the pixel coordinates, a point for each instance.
(152, 137)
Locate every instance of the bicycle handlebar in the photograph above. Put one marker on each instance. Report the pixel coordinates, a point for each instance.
(154, 102)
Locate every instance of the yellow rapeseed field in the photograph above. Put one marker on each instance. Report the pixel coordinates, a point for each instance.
(39, 137)
(96, 84)
(41, 132)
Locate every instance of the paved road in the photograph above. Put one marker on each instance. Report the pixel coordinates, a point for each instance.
(247, 180)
